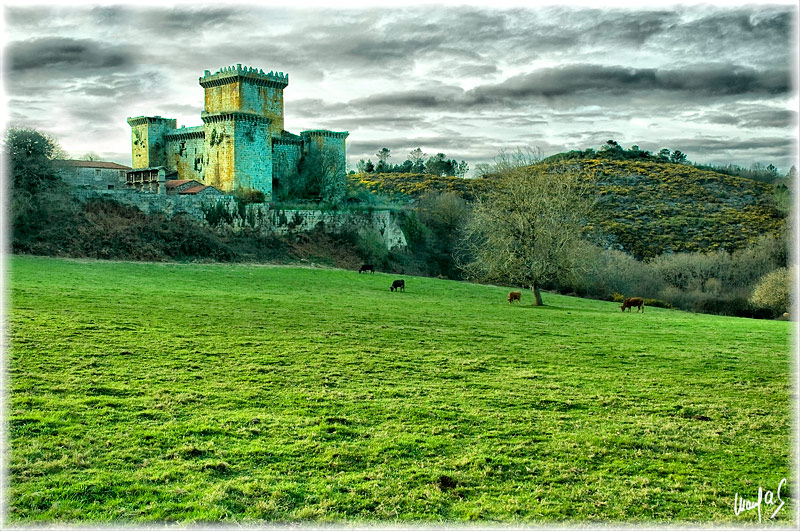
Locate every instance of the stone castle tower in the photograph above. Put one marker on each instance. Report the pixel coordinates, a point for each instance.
(242, 143)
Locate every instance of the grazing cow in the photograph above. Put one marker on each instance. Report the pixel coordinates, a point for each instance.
(366, 267)
(398, 285)
(514, 296)
(631, 302)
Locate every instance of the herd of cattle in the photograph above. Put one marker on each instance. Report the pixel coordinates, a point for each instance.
(397, 285)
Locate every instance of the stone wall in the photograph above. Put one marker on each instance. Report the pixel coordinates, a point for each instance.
(185, 152)
(285, 158)
(288, 221)
(253, 156)
(260, 216)
(96, 178)
(219, 154)
(191, 205)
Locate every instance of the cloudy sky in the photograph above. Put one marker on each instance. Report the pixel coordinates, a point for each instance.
(714, 80)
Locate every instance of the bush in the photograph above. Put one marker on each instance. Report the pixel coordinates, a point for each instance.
(610, 273)
(249, 196)
(657, 303)
(738, 307)
(773, 291)
(371, 247)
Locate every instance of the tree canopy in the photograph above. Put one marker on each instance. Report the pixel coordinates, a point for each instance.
(30, 156)
(528, 231)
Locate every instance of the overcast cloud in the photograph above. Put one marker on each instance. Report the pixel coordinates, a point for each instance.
(718, 83)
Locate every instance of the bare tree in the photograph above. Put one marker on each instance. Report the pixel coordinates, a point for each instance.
(507, 160)
(322, 175)
(529, 230)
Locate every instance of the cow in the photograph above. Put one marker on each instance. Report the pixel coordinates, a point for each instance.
(631, 302)
(398, 285)
(366, 267)
(514, 296)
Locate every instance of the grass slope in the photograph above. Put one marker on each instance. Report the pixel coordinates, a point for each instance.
(162, 392)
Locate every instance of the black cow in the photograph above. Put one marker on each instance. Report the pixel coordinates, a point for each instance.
(366, 267)
(398, 285)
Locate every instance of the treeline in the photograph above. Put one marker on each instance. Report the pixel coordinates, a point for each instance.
(612, 150)
(417, 162)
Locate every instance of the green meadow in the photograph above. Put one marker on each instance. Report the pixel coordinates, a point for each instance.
(244, 393)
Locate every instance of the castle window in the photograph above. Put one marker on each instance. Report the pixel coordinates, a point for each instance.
(110, 186)
(97, 171)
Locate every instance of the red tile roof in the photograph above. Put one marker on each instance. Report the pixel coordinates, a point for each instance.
(92, 164)
(173, 183)
(193, 190)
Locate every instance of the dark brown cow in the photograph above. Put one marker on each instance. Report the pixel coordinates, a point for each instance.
(514, 296)
(398, 285)
(366, 267)
(629, 303)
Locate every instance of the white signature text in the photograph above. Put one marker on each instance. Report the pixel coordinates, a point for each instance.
(767, 498)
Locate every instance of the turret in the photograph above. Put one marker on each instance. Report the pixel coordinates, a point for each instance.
(148, 140)
(238, 89)
(319, 141)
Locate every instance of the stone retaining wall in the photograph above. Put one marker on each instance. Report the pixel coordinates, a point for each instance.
(260, 216)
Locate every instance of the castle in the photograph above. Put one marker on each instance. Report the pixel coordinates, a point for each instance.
(242, 144)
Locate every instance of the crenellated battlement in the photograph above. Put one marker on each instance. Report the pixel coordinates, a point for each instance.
(246, 74)
(142, 120)
(234, 117)
(325, 133)
(186, 133)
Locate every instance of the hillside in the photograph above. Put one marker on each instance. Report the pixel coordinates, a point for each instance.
(645, 208)
(241, 393)
(407, 186)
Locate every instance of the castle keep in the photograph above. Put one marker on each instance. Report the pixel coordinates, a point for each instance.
(242, 143)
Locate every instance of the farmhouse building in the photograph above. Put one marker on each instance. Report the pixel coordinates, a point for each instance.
(242, 143)
(92, 174)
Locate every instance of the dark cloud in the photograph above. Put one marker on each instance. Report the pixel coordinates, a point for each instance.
(428, 98)
(707, 143)
(80, 56)
(385, 122)
(589, 79)
(592, 84)
(314, 108)
(179, 20)
(752, 36)
(758, 119)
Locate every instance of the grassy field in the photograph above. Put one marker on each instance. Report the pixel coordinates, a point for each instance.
(164, 392)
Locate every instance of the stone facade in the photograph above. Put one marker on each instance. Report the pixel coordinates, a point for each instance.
(94, 175)
(242, 143)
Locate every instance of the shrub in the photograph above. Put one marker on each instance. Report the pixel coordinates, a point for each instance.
(217, 213)
(610, 273)
(371, 247)
(249, 196)
(657, 303)
(773, 291)
(738, 307)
